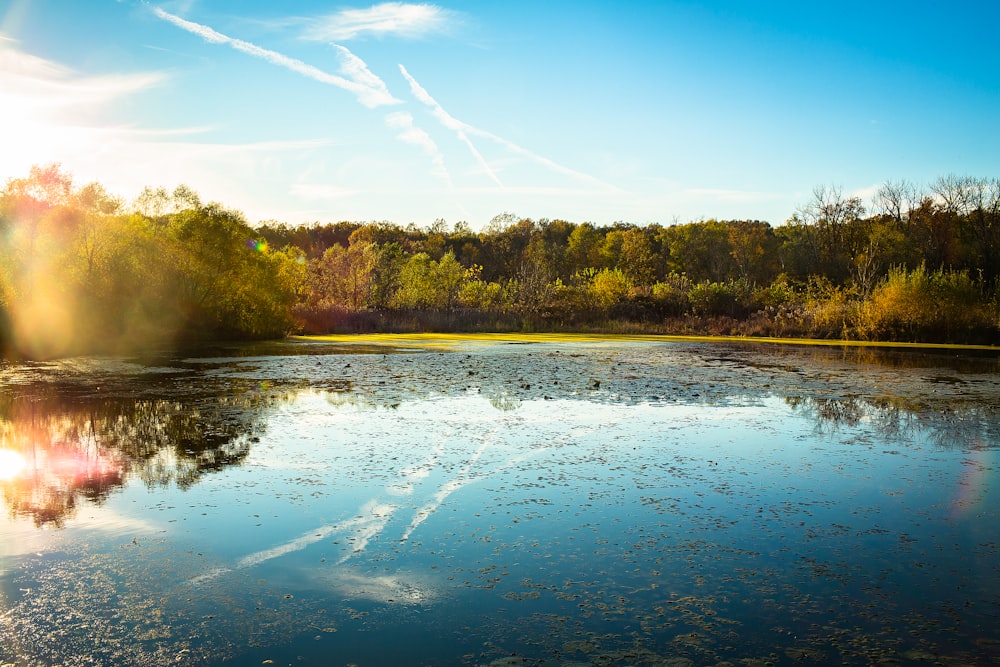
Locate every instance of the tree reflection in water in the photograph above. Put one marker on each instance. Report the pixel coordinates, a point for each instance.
(75, 446)
(85, 428)
(951, 427)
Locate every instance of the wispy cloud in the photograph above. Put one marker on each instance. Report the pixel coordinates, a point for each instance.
(449, 121)
(36, 84)
(387, 18)
(370, 90)
(402, 123)
(462, 130)
(52, 113)
(367, 92)
(355, 68)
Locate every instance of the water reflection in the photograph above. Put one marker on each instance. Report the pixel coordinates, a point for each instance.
(60, 447)
(962, 426)
(78, 430)
(602, 504)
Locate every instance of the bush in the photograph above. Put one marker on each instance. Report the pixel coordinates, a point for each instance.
(834, 316)
(610, 286)
(731, 299)
(672, 294)
(920, 306)
(779, 293)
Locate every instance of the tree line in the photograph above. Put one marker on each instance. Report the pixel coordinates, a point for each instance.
(914, 263)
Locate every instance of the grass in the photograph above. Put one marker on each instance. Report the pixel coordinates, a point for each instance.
(438, 339)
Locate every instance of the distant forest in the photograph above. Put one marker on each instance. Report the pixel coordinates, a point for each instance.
(82, 270)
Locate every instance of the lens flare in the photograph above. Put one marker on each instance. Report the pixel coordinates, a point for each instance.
(973, 485)
(258, 245)
(11, 464)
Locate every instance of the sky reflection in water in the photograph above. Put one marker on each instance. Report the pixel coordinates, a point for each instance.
(590, 504)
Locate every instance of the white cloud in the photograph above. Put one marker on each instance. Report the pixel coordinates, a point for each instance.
(51, 113)
(402, 123)
(388, 18)
(14, 62)
(367, 94)
(30, 85)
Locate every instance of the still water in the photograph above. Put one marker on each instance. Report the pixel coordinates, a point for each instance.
(463, 503)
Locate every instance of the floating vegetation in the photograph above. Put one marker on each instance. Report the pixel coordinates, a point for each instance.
(600, 502)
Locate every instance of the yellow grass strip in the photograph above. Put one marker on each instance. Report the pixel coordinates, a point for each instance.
(447, 339)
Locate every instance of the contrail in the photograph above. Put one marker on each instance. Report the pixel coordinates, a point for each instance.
(402, 122)
(357, 70)
(463, 478)
(463, 129)
(370, 521)
(367, 94)
(368, 88)
(449, 122)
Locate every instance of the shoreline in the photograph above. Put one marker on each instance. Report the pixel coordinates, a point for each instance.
(431, 338)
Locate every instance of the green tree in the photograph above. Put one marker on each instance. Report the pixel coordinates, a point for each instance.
(425, 283)
(701, 250)
(637, 258)
(386, 274)
(583, 249)
(343, 276)
(225, 283)
(754, 250)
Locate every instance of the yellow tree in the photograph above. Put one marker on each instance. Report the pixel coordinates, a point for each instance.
(343, 276)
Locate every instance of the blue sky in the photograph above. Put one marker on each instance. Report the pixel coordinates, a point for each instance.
(586, 111)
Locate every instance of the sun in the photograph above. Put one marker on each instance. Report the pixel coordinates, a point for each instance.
(11, 464)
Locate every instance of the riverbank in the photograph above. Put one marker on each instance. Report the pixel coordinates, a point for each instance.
(836, 319)
(438, 339)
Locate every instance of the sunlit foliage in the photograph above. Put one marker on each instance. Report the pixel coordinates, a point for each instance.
(827, 272)
(82, 270)
(80, 273)
(911, 304)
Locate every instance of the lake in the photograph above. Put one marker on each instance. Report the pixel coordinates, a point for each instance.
(460, 502)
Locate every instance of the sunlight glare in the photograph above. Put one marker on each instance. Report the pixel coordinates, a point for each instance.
(11, 464)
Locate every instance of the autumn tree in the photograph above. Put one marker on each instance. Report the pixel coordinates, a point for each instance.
(430, 284)
(343, 276)
(700, 250)
(583, 248)
(977, 203)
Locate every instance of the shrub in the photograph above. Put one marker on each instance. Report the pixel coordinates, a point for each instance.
(731, 299)
(778, 293)
(671, 295)
(610, 286)
(919, 306)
